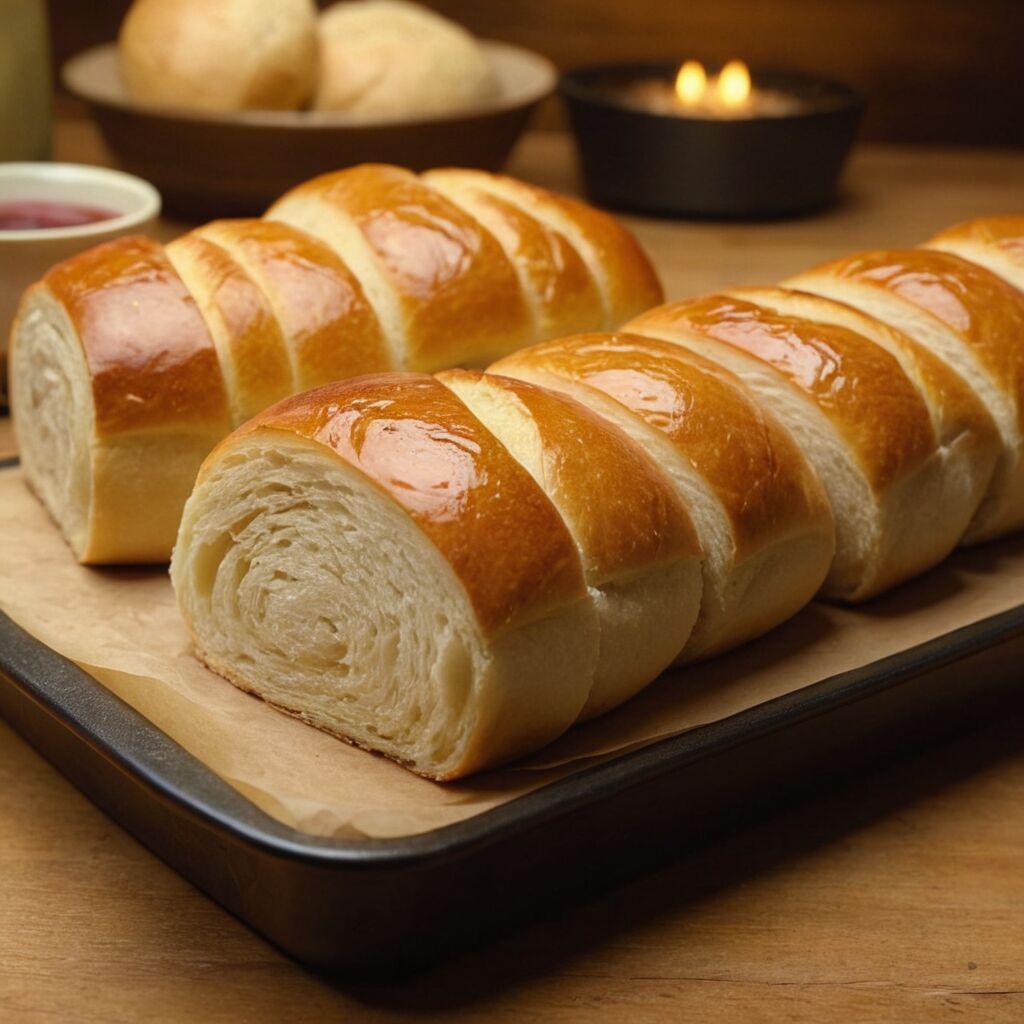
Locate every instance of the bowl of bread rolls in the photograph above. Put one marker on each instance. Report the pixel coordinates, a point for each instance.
(224, 104)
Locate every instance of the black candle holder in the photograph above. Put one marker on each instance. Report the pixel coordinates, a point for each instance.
(754, 167)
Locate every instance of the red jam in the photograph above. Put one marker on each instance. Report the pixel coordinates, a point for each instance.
(31, 214)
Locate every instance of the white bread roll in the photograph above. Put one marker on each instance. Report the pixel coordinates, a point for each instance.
(400, 278)
(389, 58)
(559, 288)
(639, 550)
(761, 515)
(996, 243)
(625, 278)
(117, 396)
(368, 557)
(854, 395)
(967, 316)
(254, 359)
(442, 287)
(328, 325)
(219, 54)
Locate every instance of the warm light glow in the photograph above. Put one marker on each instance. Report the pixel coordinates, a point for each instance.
(733, 84)
(691, 83)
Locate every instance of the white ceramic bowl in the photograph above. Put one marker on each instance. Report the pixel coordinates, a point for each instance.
(25, 255)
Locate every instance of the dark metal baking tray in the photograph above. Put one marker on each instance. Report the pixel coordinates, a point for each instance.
(362, 905)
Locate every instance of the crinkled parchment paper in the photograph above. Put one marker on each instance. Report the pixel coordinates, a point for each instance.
(122, 627)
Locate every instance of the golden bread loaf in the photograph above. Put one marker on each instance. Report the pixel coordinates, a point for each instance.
(364, 270)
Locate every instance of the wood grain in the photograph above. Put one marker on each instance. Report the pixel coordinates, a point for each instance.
(897, 897)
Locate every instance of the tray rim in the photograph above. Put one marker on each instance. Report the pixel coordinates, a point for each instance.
(201, 793)
(204, 794)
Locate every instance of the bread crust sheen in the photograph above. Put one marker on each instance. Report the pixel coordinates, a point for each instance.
(149, 353)
(411, 436)
(984, 310)
(622, 505)
(857, 384)
(457, 288)
(761, 478)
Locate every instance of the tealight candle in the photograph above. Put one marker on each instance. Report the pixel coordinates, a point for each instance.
(729, 94)
(683, 139)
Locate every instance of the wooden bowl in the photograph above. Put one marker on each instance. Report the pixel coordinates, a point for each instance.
(220, 164)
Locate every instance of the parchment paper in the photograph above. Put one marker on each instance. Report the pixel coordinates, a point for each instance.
(122, 627)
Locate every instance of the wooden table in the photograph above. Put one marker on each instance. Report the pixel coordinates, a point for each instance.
(898, 897)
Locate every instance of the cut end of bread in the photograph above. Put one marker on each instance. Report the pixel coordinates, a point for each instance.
(51, 397)
(304, 583)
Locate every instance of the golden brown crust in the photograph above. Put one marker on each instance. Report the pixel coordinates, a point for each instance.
(411, 436)
(568, 299)
(332, 328)
(1005, 234)
(147, 348)
(959, 410)
(625, 511)
(858, 385)
(256, 364)
(985, 311)
(629, 276)
(755, 468)
(459, 293)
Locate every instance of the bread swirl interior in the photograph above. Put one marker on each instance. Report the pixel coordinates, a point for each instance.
(51, 395)
(302, 582)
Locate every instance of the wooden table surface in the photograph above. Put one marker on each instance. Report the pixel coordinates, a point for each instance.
(897, 897)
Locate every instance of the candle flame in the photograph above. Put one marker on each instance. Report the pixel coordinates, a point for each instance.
(733, 84)
(691, 83)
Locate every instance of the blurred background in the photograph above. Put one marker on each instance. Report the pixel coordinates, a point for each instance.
(934, 71)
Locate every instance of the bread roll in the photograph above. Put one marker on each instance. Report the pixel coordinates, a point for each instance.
(391, 275)
(368, 557)
(328, 325)
(996, 243)
(761, 515)
(219, 54)
(904, 478)
(625, 277)
(388, 58)
(640, 554)
(253, 358)
(559, 289)
(970, 318)
(444, 290)
(117, 396)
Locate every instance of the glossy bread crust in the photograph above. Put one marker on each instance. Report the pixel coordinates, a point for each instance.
(147, 348)
(993, 242)
(566, 296)
(758, 474)
(457, 289)
(638, 520)
(254, 359)
(415, 440)
(626, 276)
(984, 310)
(330, 326)
(858, 385)
(1006, 233)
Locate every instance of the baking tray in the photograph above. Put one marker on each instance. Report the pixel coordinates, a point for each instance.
(362, 905)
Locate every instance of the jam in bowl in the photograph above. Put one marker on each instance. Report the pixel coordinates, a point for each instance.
(35, 214)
